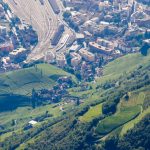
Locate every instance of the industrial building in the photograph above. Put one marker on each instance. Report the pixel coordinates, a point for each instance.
(57, 35)
(54, 6)
(75, 47)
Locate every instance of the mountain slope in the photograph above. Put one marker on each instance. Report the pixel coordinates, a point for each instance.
(115, 96)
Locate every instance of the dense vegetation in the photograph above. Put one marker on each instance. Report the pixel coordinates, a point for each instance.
(137, 138)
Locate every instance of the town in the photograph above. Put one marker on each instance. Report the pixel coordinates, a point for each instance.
(74, 74)
(89, 35)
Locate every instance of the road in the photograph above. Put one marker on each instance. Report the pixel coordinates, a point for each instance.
(43, 20)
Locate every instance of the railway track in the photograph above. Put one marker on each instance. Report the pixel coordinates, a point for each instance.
(43, 20)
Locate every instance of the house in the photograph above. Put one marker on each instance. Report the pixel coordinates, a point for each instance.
(32, 123)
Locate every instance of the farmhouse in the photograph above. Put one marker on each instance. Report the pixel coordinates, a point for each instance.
(32, 123)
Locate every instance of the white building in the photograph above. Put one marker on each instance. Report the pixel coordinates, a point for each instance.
(18, 53)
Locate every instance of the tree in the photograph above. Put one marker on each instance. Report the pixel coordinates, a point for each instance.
(41, 73)
(78, 102)
(66, 14)
(147, 35)
(13, 122)
(144, 49)
(33, 99)
(36, 68)
(111, 143)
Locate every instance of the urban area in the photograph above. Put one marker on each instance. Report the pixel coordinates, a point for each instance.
(86, 35)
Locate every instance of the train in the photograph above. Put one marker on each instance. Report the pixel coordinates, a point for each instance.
(57, 35)
(54, 6)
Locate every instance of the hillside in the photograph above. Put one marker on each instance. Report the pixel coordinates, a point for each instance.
(22, 81)
(16, 86)
(112, 105)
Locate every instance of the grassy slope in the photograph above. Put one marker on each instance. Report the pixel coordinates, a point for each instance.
(93, 112)
(127, 110)
(112, 71)
(137, 99)
(122, 66)
(115, 121)
(21, 82)
(25, 114)
(132, 123)
(24, 80)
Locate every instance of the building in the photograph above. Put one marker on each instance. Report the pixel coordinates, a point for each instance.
(57, 35)
(61, 60)
(7, 46)
(20, 52)
(104, 5)
(74, 47)
(5, 60)
(3, 30)
(88, 56)
(96, 48)
(76, 59)
(54, 6)
(124, 48)
(32, 122)
(105, 43)
(147, 41)
(49, 57)
(80, 37)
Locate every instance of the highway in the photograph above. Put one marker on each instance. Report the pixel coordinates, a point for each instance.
(43, 20)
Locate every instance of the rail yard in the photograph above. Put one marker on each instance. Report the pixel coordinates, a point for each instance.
(45, 18)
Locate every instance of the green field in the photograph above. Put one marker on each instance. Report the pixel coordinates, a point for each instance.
(137, 98)
(123, 66)
(92, 113)
(112, 122)
(133, 122)
(24, 114)
(126, 111)
(24, 80)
